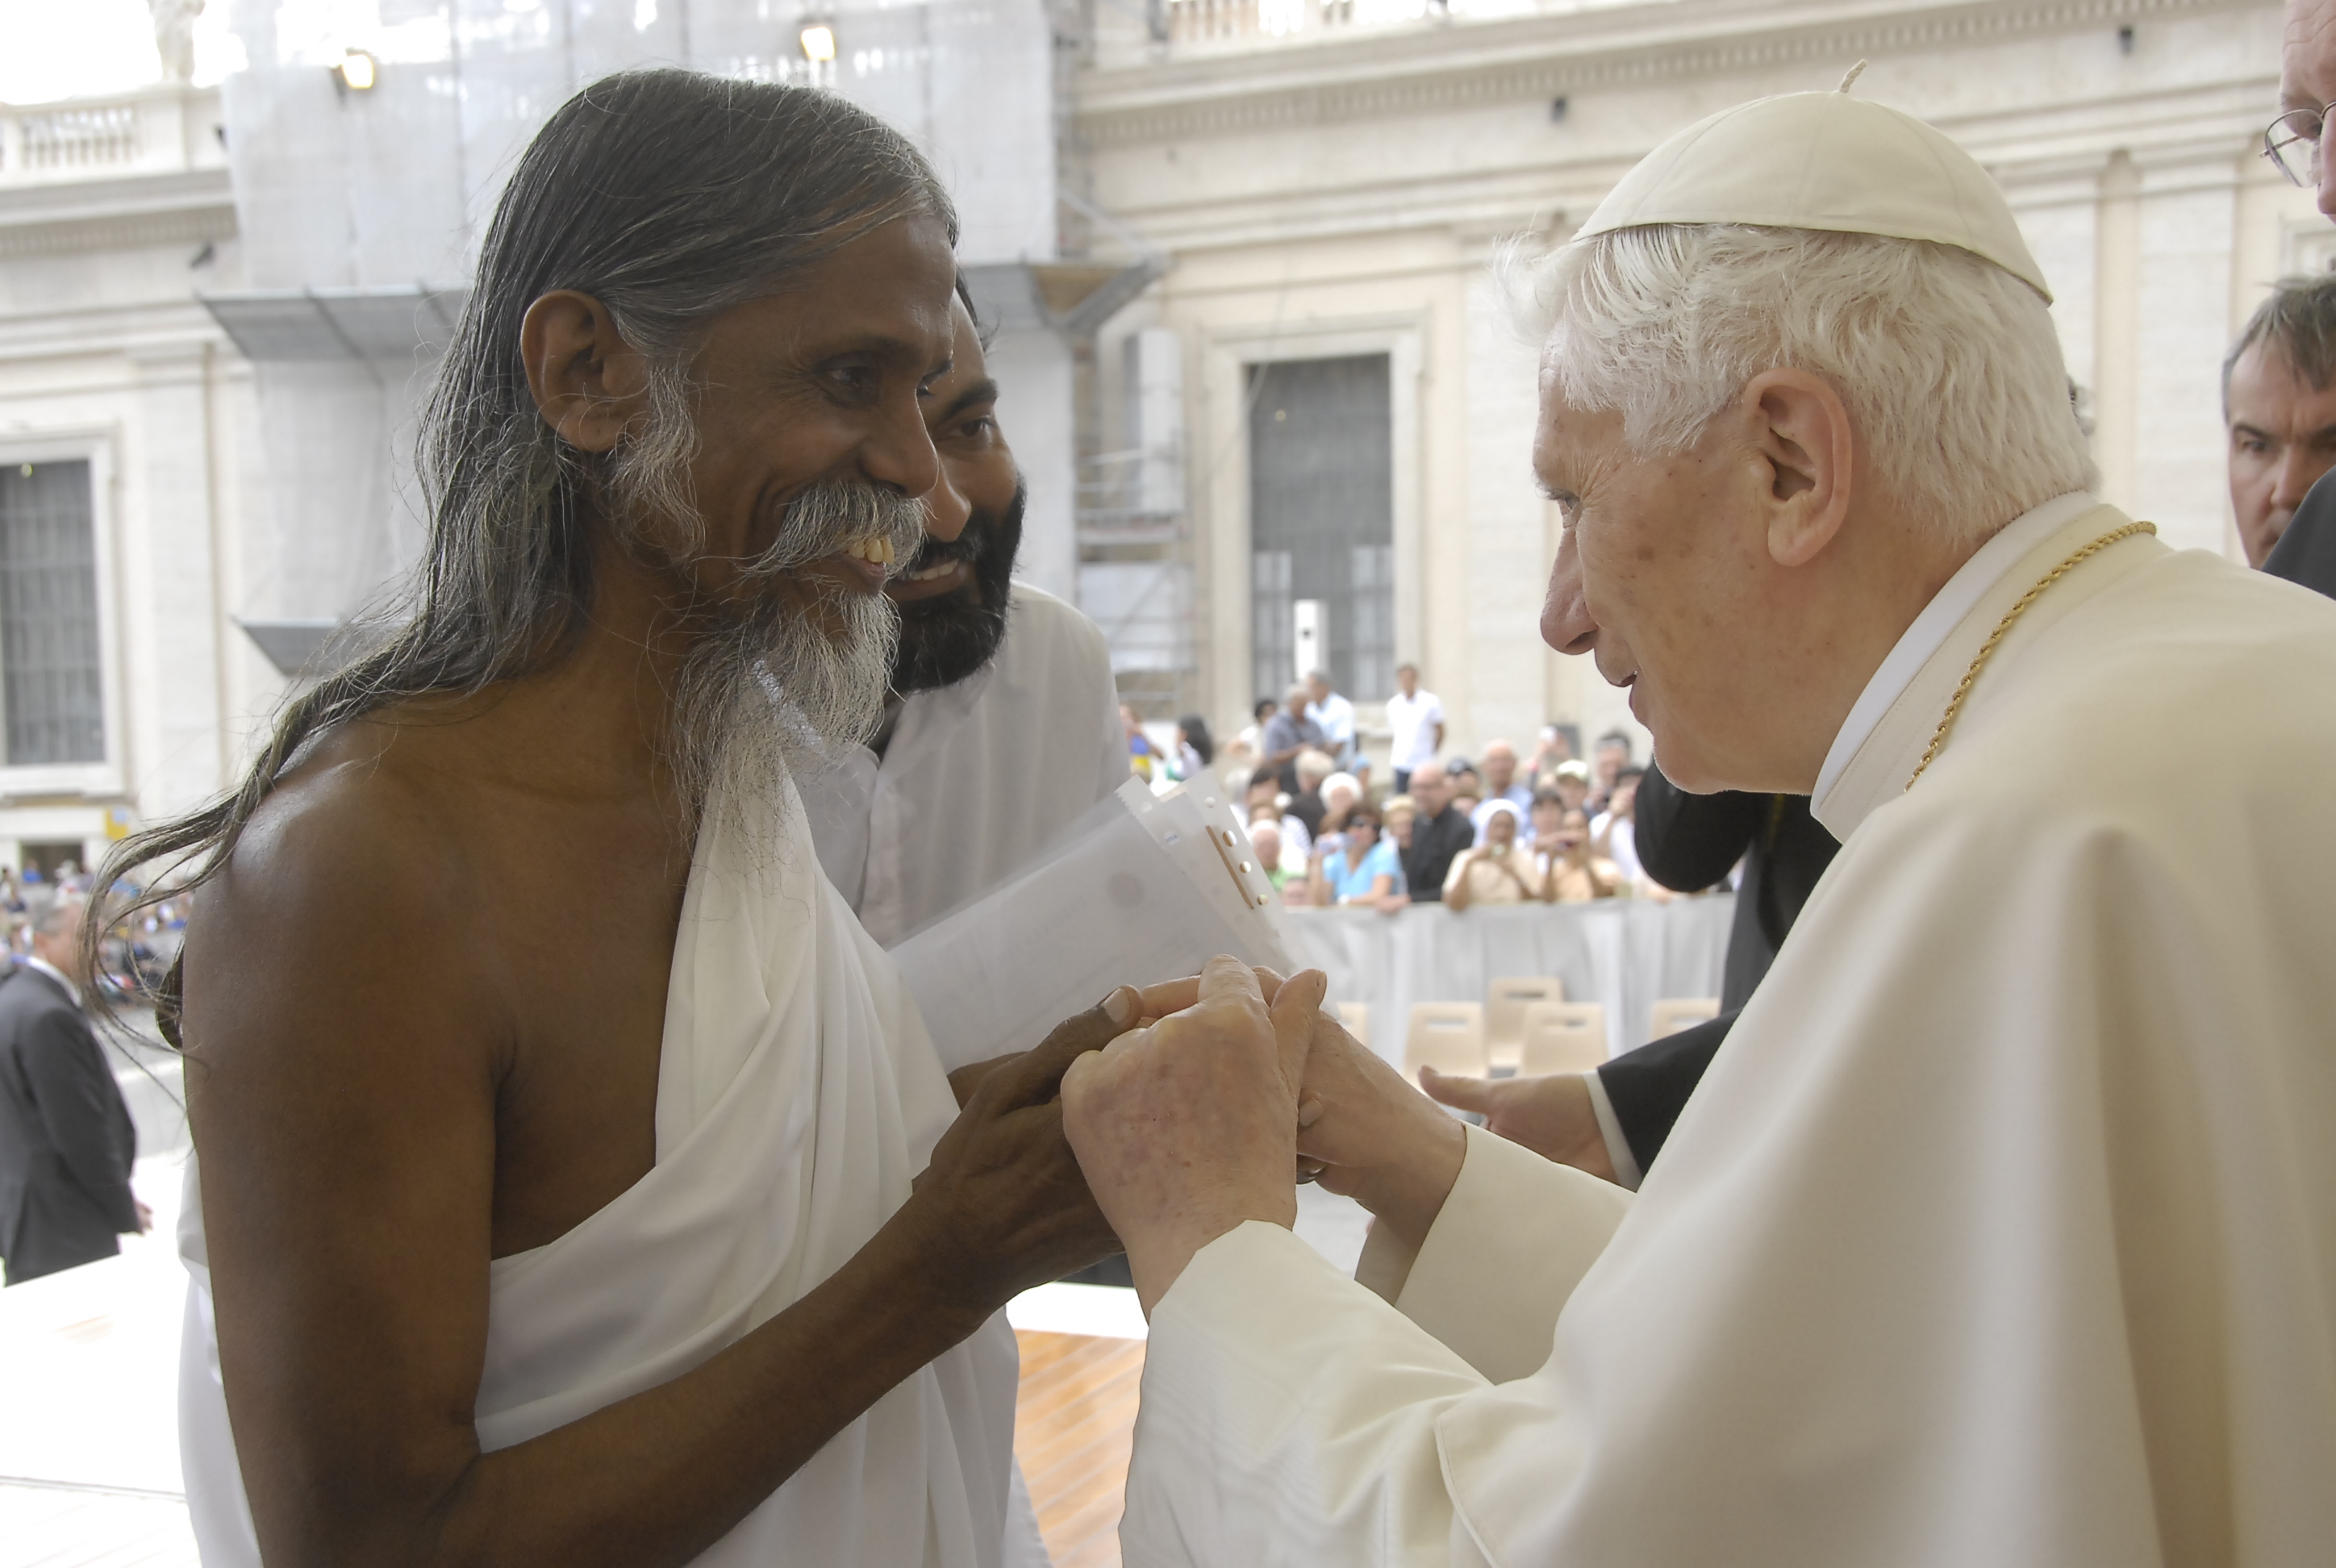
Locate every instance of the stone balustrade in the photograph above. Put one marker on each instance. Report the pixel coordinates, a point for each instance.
(1265, 23)
(165, 129)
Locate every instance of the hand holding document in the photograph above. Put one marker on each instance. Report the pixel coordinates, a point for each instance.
(1143, 888)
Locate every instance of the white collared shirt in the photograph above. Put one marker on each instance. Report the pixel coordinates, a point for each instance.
(1412, 722)
(1335, 714)
(1939, 618)
(979, 776)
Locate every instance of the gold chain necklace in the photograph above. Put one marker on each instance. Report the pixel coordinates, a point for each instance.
(1979, 661)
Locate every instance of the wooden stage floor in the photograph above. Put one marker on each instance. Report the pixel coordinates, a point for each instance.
(1074, 1422)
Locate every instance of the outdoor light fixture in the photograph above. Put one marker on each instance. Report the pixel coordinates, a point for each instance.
(818, 41)
(357, 70)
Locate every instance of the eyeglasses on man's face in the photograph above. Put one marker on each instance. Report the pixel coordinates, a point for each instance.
(2292, 143)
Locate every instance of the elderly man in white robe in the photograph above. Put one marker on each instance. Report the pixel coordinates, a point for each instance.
(2003, 1229)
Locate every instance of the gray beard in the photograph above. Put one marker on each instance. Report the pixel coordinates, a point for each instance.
(768, 694)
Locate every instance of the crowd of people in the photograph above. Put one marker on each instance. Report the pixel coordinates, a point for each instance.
(132, 956)
(1558, 828)
(1497, 829)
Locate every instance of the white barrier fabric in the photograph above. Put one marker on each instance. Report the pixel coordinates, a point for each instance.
(1625, 953)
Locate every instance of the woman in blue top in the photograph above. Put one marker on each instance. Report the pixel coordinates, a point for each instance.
(1358, 866)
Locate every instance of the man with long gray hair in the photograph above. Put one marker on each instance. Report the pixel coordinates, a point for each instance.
(577, 1182)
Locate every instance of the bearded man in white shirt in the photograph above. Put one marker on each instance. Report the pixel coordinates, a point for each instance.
(2003, 1228)
(1002, 724)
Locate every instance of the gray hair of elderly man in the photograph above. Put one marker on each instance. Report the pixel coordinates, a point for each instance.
(1314, 767)
(59, 915)
(2298, 320)
(1948, 366)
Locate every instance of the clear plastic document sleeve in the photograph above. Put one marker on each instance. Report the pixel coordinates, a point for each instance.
(1142, 887)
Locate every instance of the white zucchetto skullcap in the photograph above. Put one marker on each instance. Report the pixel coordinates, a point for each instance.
(1822, 161)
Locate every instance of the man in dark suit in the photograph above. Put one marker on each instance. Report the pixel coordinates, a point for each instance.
(1440, 832)
(1687, 842)
(2306, 552)
(66, 1143)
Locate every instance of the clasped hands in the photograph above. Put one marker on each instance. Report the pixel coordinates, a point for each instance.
(1197, 1118)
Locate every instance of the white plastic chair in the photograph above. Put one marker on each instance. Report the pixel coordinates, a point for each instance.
(1563, 1038)
(1676, 1013)
(1446, 1035)
(1505, 1001)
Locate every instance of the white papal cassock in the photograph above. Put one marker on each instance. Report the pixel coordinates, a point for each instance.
(797, 1096)
(2002, 1233)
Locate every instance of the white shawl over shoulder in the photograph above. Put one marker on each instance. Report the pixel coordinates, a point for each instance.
(797, 1096)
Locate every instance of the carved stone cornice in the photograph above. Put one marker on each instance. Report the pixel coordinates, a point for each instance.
(184, 207)
(1393, 72)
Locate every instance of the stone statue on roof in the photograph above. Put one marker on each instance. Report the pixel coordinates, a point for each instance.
(174, 36)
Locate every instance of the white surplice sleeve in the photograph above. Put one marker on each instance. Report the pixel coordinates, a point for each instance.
(1511, 1216)
(1289, 1417)
(1326, 1398)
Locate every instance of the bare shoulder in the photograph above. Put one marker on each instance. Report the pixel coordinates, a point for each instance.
(356, 873)
(361, 818)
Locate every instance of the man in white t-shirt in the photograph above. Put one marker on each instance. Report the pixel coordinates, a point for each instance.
(1335, 714)
(1415, 718)
(1003, 724)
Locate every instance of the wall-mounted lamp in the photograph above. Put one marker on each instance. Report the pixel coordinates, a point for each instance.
(818, 41)
(357, 70)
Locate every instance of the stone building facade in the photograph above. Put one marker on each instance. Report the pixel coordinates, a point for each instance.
(129, 481)
(1304, 441)
(1330, 181)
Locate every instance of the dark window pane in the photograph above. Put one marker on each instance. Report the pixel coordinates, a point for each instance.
(1271, 631)
(51, 684)
(1321, 497)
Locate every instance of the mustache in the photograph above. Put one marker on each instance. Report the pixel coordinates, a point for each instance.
(986, 532)
(966, 547)
(834, 512)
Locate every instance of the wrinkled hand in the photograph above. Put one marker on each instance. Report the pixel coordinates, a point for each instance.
(1378, 1140)
(1188, 1127)
(1002, 1206)
(1552, 1116)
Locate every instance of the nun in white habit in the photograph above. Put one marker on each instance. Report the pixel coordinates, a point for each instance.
(2003, 1230)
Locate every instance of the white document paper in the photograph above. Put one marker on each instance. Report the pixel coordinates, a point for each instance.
(1143, 888)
